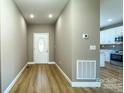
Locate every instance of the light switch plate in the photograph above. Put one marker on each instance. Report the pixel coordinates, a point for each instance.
(92, 47)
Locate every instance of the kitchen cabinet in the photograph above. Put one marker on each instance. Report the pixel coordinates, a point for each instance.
(102, 59)
(102, 37)
(105, 54)
(108, 36)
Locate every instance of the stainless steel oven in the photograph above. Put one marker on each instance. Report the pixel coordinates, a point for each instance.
(116, 59)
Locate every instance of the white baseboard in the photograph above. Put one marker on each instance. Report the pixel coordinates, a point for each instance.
(36, 63)
(73, 84)
(51, 63)
(67, 78)
(86, 84)
(14, 81)
(79, 84)
(30, 63)
(19, 74)
(40, 63)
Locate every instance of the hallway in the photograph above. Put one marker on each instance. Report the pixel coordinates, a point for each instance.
(48, 79)
(43, 33)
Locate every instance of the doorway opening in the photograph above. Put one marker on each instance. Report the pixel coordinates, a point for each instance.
(41, 47)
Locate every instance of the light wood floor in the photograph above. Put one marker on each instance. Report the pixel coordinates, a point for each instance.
(48, 79)
(113, 77)
(112, 71)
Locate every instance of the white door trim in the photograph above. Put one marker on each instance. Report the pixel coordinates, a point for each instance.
(34, 45)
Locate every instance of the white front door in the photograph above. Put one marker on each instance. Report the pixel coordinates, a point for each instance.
(41, 47)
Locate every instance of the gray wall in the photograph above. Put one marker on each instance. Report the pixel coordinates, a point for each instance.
(80, 16)
(13, 42)
(0, 53)
(85, 19)
(41, 29)
(63, 44)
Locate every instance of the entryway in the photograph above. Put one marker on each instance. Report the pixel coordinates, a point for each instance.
(41, 47)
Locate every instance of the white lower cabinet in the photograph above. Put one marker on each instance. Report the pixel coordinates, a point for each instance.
(107, 56)
(104, 56)
(102, 59)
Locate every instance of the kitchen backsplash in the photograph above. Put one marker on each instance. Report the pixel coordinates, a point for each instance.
(112, 46)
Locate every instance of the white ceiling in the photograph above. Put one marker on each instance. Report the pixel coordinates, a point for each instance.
(111, 9)
(41, 9)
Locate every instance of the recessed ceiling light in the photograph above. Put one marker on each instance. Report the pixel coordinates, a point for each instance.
(109, 20)
(50, 15)
(31, 16)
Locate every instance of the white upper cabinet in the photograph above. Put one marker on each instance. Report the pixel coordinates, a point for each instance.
(108, 36)
(102, 38)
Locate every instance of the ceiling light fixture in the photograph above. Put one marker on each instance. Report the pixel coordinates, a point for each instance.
(31, 16)
(109, 20)
(50, 15)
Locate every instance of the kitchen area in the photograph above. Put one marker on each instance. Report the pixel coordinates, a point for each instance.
(111, 46)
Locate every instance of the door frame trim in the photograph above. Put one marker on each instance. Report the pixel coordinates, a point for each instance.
(47, 33)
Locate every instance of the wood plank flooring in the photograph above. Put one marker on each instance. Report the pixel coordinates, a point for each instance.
(113, 77)
(112, 71)
(48, 79)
